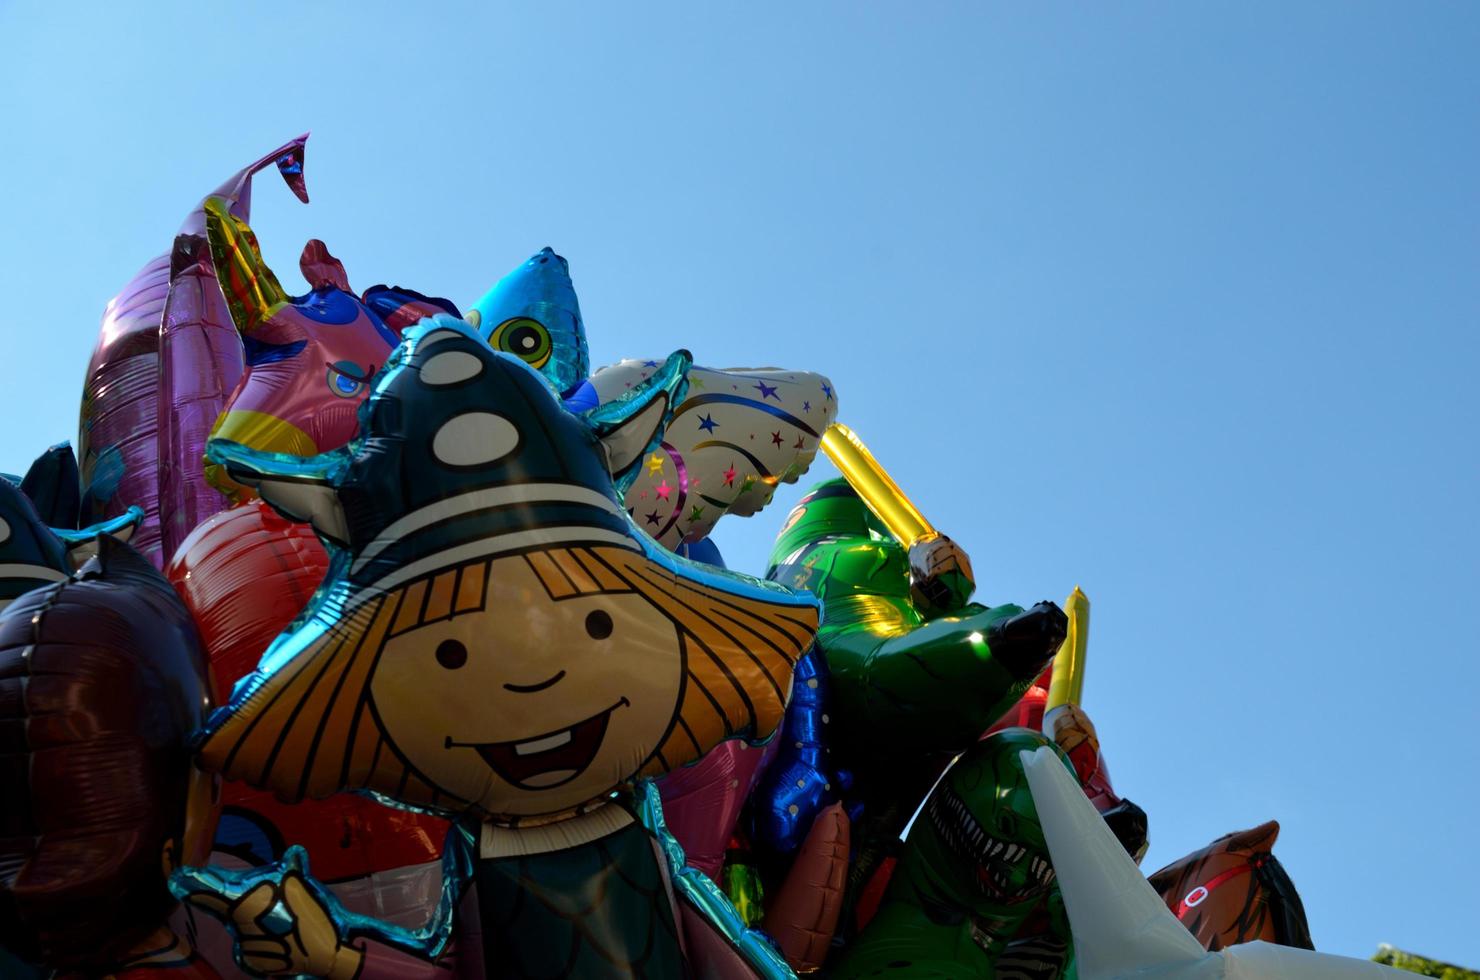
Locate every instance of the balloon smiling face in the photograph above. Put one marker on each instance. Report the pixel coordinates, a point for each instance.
(535, 702)
(309, 359)
(495, 636)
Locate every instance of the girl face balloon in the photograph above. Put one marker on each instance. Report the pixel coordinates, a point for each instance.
(496, 637)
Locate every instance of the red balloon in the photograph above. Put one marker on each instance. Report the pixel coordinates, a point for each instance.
(245, 574)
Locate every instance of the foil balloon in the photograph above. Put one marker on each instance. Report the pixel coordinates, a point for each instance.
(1235, 891)
(804, 913)
(200, 355)
(117, 432)
(737, 436)
(911, 685)
(54, 486)
(532, 314)
(1122, 928)
(33, 555)
(105, 676)
(245, 574)
(702, 802)
(1050, 704)
(497, 642)
(802, 779)
(309, 358)
(119, 441)
(974, 868)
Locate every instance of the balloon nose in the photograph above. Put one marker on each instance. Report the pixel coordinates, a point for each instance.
(1025, 643)
(547, 253)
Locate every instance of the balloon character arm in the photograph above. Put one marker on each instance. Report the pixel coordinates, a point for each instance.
(282, 922)
(938, 687)
(941, 579)
(285, 922)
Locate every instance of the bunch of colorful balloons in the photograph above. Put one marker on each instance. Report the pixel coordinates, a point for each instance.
(372, 636)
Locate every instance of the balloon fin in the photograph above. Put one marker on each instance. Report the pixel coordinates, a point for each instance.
(55, 486)
(632, 426)
(321, 269)
(237, 189)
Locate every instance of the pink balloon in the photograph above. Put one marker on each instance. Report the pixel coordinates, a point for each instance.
(159, 367)
(702, 802)
(200, 354)
(117, 448)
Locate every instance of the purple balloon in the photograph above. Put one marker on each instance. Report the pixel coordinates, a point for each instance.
(200, 355)
(155, 375)
(701, 802)
(116, 438)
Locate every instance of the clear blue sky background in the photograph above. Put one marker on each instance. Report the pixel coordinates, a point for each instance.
(1175, 301)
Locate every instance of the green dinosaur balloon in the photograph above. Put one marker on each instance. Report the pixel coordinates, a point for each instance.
(975, 868)
(911, 685)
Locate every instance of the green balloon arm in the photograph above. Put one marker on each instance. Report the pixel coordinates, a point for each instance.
(936, 687)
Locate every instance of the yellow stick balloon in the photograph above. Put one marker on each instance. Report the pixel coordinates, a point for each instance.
(1067, 686)
(874, 485)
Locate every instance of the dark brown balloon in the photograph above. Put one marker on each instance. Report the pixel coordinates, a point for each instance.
(1235, 891)
(102, 684)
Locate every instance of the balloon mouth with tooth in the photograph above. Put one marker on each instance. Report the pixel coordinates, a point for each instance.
(549, 760)
(997, 861)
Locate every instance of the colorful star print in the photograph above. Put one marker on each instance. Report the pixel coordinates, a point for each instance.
(806, 406)
(652, 518)
(799, 444)
(767, 391)
(707, 423)
(655, 463)
(664, 490)
(730, 476)
(696, 513)
(827, 390)
(776, 438)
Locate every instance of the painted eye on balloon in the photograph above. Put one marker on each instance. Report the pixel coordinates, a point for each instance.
(346, 380)
(524, 338)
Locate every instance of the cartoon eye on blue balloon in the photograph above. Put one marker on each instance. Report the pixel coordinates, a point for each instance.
(346, 380)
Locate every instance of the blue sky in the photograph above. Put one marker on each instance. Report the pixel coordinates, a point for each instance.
(1177, 302)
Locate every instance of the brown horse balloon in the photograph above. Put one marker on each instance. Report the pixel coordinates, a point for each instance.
(1235, 891)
